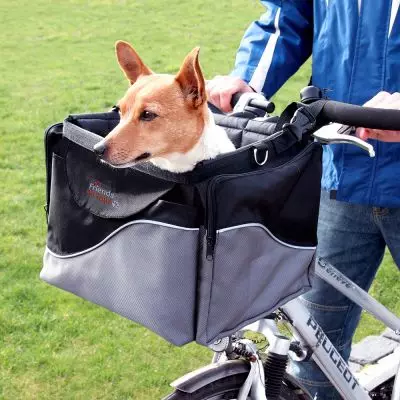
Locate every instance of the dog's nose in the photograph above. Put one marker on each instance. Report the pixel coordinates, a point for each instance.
(100, 148)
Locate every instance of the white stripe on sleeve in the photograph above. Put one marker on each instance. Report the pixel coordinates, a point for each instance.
(260, 74)
(393, 13)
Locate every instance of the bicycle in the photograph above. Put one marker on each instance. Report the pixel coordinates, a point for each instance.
(241, 371)
(101, 252)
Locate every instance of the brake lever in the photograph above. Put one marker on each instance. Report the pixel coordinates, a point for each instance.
(331, 134)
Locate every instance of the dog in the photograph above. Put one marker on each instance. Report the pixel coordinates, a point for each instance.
(164, 118)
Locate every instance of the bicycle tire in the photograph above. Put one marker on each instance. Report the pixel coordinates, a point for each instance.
(228, 388)
(383, 391)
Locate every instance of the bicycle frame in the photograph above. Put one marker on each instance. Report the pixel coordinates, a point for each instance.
(340, 282)
(324, 353)
(312, 337)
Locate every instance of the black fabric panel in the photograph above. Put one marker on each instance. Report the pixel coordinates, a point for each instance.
(285, 199)
(110, 192)
(239, 162)
(72, 228)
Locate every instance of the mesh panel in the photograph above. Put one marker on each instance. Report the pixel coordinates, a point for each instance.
(253, 274)
(146, 273)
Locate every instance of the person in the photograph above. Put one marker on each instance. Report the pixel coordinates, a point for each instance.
(382, 100)
(355, 47)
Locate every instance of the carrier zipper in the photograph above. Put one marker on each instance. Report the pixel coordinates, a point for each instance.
(211, 217)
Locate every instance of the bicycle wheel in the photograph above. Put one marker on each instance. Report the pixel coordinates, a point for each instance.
(383, 391)
(228, 389)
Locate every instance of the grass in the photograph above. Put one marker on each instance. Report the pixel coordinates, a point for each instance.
(57, 58)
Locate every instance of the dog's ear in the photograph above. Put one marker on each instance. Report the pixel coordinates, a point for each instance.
(191, 79)
(130, 62)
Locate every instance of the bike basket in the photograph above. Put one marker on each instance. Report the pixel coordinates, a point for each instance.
(192, 256)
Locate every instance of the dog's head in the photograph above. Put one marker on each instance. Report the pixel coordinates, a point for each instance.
(160, 114)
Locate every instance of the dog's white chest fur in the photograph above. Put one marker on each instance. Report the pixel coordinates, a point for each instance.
(212, 142)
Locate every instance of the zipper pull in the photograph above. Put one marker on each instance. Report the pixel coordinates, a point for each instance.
(210, 246)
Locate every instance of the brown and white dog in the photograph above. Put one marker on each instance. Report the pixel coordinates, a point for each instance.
(164, 118)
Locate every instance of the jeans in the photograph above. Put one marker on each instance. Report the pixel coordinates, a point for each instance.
(353, 238)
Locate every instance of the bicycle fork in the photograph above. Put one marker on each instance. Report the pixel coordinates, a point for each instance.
(264, 380)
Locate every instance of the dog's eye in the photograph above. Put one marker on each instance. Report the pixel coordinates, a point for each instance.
(147, 116)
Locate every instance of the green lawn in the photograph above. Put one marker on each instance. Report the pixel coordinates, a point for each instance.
(57, 58)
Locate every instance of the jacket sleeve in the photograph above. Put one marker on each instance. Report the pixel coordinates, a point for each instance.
(274, 47)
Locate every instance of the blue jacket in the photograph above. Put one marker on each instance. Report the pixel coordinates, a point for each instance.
(355, 47)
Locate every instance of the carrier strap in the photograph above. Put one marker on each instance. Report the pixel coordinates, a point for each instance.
(301, 117)
(296, 122)
(80, 136)
(286, 116)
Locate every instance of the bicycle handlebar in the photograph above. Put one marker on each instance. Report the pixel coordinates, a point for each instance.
(346, 114)
(366, 117)
(255, 100)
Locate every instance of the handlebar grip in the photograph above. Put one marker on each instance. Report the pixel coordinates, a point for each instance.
(366, 117)
(255, 100)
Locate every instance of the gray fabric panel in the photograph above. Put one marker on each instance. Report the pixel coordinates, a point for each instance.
(80, 136)
(252, 275)
(146, 273)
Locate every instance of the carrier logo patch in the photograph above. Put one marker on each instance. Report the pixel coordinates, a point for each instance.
(101, 193)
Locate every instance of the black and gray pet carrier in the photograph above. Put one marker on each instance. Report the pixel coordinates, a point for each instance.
(192, 256)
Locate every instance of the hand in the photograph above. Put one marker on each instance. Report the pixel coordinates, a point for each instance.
(221, 89)
(382, 100)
